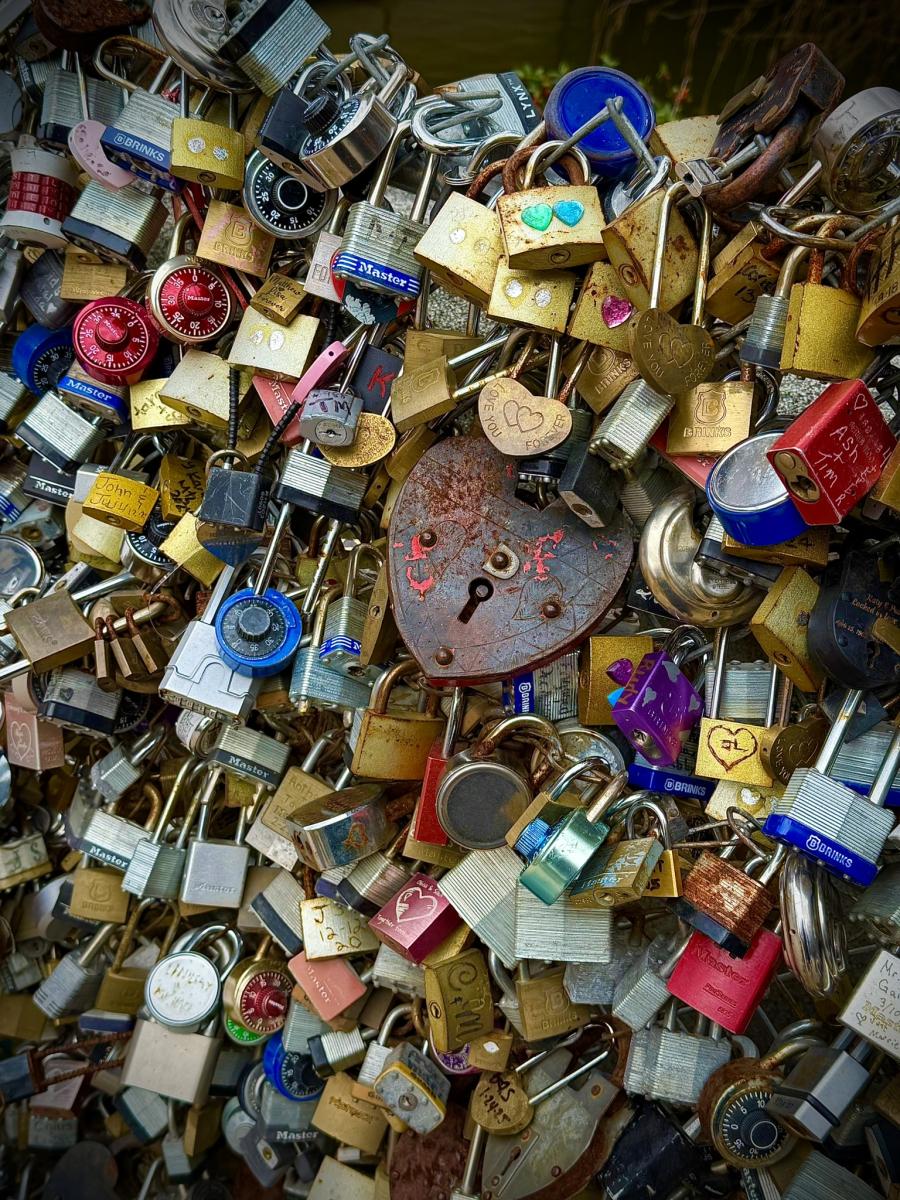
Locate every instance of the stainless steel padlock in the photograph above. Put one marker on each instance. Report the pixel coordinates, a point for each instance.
(140, 140)
(667, 1065)
(482, 889)
(117, 226)
(344, 622)
(560, 932)
(215, 870)
(122, 767)
(61, 436)
(61, 107)
(183, 990)
(74, 983)
(377, 247)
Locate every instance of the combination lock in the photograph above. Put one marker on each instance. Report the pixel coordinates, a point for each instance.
(142, 546)
(290, 1072)
(257, 993)
(280, 203)
(742, 1131)
(189, 301)
(115, 340)
(240, 1035)
(40, 357)
(258, 635)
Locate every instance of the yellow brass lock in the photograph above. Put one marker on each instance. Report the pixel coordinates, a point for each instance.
(779, 625)
(198, 387)
(230, 238)
(462, 248)
(119, 501)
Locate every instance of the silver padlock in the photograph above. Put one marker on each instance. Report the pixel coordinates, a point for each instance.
(74, 983)
(114, 773)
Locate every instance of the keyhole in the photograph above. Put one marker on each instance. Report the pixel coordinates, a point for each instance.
(479, 590)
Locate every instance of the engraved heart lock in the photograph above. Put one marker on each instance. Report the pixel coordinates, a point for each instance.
(517, 422)
(485, 586)
(731, 746)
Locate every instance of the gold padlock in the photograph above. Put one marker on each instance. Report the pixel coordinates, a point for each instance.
(279, 298)
(780, 622)
(459, 1001)
(728, 749)
(604, 376)
(713, 416)
(594, 685)
(184, 547)
(631, 240)
(462, 248)
(545, 228)
(230, 238)
(206, 151)
(602, 313)
(879, 314)
(265, 347)
(150, 414)
(86, 277)
(820, 334)
(120, 501)
(545, 1010)
(393, 743)
(182, 482)
(742, 272)
(198, 387)
(538, 299)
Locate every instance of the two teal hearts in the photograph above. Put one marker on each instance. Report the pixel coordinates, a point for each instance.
(539, 216)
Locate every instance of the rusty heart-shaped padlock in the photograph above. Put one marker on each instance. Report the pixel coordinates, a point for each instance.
(483, 585)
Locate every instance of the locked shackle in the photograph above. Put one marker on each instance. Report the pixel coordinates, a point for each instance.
(611, 792)
(214, 931)
(681, 641)
(147, 745)
(387, 1026)
(673, 192)
(318, 748)
(531, 159)
(570, 774)
(357, 554)
(832, 225)
(128, 931)
(90, 950)
(525, 723)
(814, 938)
(174, 795)
(179, 234)
(386, 681)
(640, 804)
(132, 43)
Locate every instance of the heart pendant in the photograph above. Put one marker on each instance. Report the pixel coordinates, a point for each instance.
(672, 358)
(538, 216)
(518, 423)
(569, 212)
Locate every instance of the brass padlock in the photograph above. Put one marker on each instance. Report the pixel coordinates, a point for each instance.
(594, 685)
(780, 623)
(742, 272)
(602, 313)
(630, 241)
(459, 1001)
(879, 314)
(229, 237)
(272, 349)
(393, 744)
(206, 151)
(50, 631)
(462, 246)
(550, 227)
(545, 1010)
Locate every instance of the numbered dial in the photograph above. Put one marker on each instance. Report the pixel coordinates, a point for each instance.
(291, 1072)
(40, 357)
(326, 118)
(241, 1036)
(258, 635)
(743, 1132)
(115, 340)
(257, 995)
(189, 301)
(281, 204)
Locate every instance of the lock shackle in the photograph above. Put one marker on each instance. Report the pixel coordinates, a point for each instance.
(360, 551)
(501, 976)
(884, 779)
(681, 641)
(89, 951)
(215, 930)
(133, 44)
(147, 744)
(642, 805)
(832, 225)
(390, 1021)
(379, 186)
(385, 682)
(788, 1050)
(179, 234)
(560, 785)
(520, 169)
(673, 192)
(190, 816)
(128, 932)
(318, 748)
(168, 808)
(611, 792)
(528, 724)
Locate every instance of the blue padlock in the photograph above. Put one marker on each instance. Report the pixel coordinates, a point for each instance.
(40, 357)
(752, 503)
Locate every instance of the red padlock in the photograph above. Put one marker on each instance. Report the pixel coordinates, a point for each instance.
(115, 340)
(725, 989)
(416, 920)
(276, 400)
(188, 299)
(41, 194)
(425, 826)
(833, 453)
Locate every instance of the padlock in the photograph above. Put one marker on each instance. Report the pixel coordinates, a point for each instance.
(813, 1097)
(416, 919)
(820, 325)
(843, 831)
(630, 241)
(40, 292)
(205, 151)
(117, 226)
(413, 1088)
(231, 239)
(480, 769)
(344, 622)
(328, 140)
(140, 140)
(833, 453)
(189, 301)
(214, 869)
(332, 931)
(123, 766)
(61, 104)
(122, 987)
(174, 1064)
(312, 680)
(114, 339)
(40, 357)
(378, 1051)
(741, 272)
(281, 204)
(459, 1001)
(462, 246)
(392, 745)
(668, 1065)
(256, 991)
(74, 983)
(729, 749)
(273, 350)
(544, 228)
(657, 705)
(558, 853)
(621, 873)
(377, 247)
(536, 299)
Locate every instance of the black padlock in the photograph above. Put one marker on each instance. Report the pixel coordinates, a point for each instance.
(843, 630)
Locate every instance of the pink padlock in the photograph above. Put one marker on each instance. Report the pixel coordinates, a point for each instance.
(330, 985)
(725, 989)
(416, 920)
(30, 742)
(321, 370)
(85, 148)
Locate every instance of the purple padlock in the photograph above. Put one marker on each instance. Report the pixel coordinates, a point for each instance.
(658, 705)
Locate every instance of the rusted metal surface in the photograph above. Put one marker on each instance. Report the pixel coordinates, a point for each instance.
(462, 626)
(80, 24)
(804, 75)
(430, 1167)
(779, 152)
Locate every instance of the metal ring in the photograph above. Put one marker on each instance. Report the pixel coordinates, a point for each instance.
(813, 240)
(221, 455)
(811, 950)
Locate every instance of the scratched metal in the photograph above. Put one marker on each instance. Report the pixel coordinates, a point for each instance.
(457, 508)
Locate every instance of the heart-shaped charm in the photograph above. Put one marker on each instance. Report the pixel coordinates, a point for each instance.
(615, 311)
(672, 358)
(458, 504)
(537, 216)
(20, 738)
(569, 212)
(518, 423)
(730, 745)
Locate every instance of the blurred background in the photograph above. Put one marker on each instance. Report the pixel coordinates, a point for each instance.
(691, 57)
